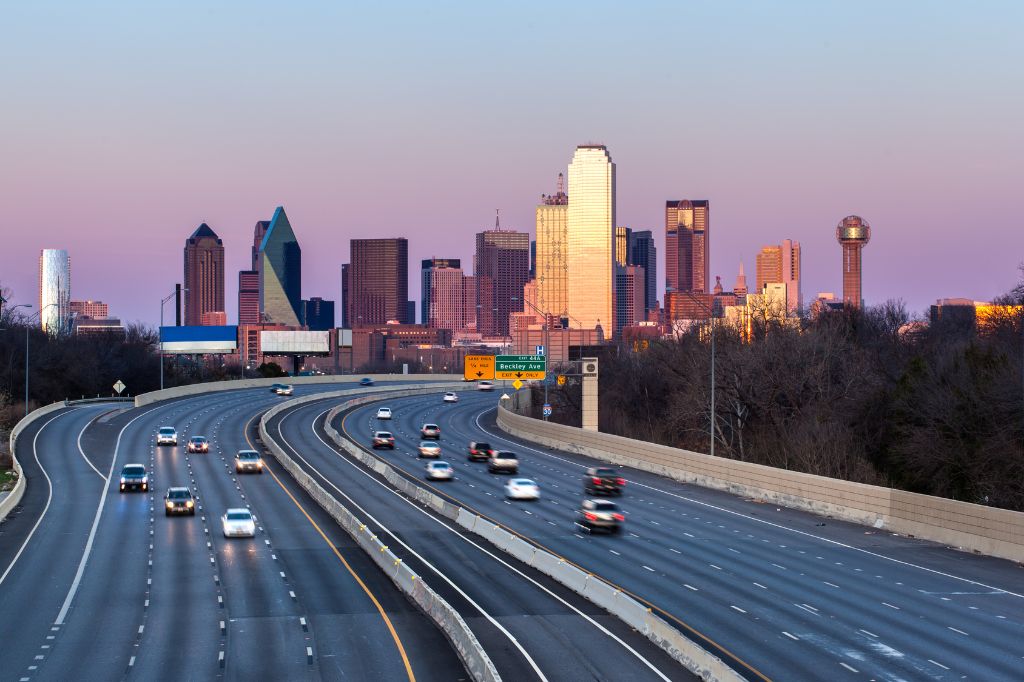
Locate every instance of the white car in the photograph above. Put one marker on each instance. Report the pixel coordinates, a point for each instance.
(439, 471)
(485, 386)
(166, 436)
(238, 523)
(522, 489)
(429, 448)
(384, 413)
(450, 397)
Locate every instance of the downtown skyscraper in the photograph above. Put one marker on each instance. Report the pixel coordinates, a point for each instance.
(204, 274)
(551, 272)
(443, 304)
(644, 253)
(781, 265)
(687, 245)
(54, 291)
(279, 266)
(590, 236)
(502, 270)
(377, 286)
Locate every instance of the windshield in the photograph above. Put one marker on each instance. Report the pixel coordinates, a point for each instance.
(523, 482)
(383, 434)
(482, 446)
(134, 471)
(248, 455)
(166, 429)
(605, 506)
(198, 439)
(430, 426)
(239, 516)
(428, 444)
(180, 494)
(505, 455)
(604, 472)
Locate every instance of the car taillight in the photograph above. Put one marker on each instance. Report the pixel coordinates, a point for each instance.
(590, 516)
(596, 480)
(620, 481)
(618, 517)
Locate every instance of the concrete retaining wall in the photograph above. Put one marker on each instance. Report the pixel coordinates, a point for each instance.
(14, 496)
(210, 387)
(995, 532)
(609, 597)
(472, 654)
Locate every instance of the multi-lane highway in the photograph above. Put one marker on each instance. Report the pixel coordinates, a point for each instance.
(778, 593)
(98, 585)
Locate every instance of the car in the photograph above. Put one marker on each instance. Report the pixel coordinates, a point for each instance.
(248, 460)
(485, 386)
(383, 413)
(134, 477)
(439, 471)
(450, 397)
(429, 449)
(282, 389)
(166, 435)
(479, 450)
(503, 461)
(602, 480)
(522, 489)
(238, 523)
(179, 500)
(198, 444)
(599, 515)
(366, 381)
(383, 439)
(430, 431)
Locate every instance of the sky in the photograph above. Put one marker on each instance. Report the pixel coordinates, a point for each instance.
(126, 125)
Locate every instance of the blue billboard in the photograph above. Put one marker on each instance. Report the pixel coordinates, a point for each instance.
(199, 340)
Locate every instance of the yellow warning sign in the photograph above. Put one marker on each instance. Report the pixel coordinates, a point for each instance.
(479, 368)
(517, 384)
(561, 380)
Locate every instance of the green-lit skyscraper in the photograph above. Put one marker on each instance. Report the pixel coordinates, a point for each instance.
(280, 272)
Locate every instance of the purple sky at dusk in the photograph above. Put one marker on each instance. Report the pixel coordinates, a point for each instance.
(125, 125)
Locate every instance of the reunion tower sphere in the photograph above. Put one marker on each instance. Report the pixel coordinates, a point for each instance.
(853, 232)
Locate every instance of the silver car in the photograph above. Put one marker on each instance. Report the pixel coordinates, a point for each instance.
(504, 462)
(439, 471)
(238, 523)
(430, 448)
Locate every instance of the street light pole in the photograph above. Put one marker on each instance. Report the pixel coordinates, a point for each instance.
(27, 325)
(160, 334)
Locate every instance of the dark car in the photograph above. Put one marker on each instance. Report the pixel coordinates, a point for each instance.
(198, 444)
(366, 381)
(179, 501)
(599, 515)
(479, 451)
(134, 477)
(603, 480)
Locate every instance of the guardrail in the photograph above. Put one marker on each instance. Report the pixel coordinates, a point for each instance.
(469, 649)
(973, 527)
(14, 496)
(691, 655)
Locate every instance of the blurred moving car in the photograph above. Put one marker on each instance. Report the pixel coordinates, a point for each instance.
(134, 477)
(599, 515)
(439, 471)
(429, 449)
(479, 450)
(179, 500)
(430, 431)
(383, 413)
(522, 489)
(238, 523)
(485, 386)
(366, 381)
(248, 461)
(603, 480)
(451, 397)
(281, 389)
(198, 444)
(166, 435)
(383, 439)
(503, 461)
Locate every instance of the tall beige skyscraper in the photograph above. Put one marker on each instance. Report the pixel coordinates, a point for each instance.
(552, 249)
(591, 237)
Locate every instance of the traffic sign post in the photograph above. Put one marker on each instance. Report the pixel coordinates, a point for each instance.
(478, 368)
(524, 367)
(547, 409)
(119, 386)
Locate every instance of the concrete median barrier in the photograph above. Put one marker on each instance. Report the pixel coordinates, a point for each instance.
(14, 496)
(466, 519)
(521, 550)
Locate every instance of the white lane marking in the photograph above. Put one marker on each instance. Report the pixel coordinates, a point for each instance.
(614, 552)
(811, 611)
(717, 568)
(649, 568)
(690, 587)
(827, 582)
(766, 522)
(777, 566)
(869, 634)
(95, 524)
(938, 664)
(761, 586)
(590, 620)
(890, 606)
(81, 451)
(850, 668)
(674, 550)
(49, 495)
(732, 606)
(790, 636)
(810, 607)
(955, 630)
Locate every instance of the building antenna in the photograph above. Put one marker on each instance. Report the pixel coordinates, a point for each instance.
(497, 219)
(561, 185)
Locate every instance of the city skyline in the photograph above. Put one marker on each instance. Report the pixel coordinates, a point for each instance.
(774, 128)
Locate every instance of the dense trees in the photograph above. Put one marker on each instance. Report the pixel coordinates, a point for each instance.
(869, 396)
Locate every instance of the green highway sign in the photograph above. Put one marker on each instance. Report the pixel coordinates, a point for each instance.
(510, 367)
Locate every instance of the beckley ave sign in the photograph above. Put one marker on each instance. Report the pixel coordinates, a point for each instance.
(524, 367)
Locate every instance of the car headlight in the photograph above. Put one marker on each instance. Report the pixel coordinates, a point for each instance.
(188, 503)
(123, 481)
(169, 504)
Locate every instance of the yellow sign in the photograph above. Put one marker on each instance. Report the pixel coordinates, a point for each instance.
(517, 384)
(525, 376)
(561, 380)
(479, 368)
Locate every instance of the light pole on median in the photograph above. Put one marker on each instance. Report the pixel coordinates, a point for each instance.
(711, 323)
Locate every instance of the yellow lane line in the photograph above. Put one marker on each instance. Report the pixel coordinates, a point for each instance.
(525, 538)
(380, 609)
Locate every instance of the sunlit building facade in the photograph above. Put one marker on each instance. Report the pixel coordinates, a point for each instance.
(280, 271)
(591, 236)
(687, 246)
(853, 234)
(552, 250)
(781, 264)
(54, 291)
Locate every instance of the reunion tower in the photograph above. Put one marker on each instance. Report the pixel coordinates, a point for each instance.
(853, 232)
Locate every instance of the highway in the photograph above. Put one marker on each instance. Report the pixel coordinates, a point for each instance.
(103, 586)
(779, 594)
